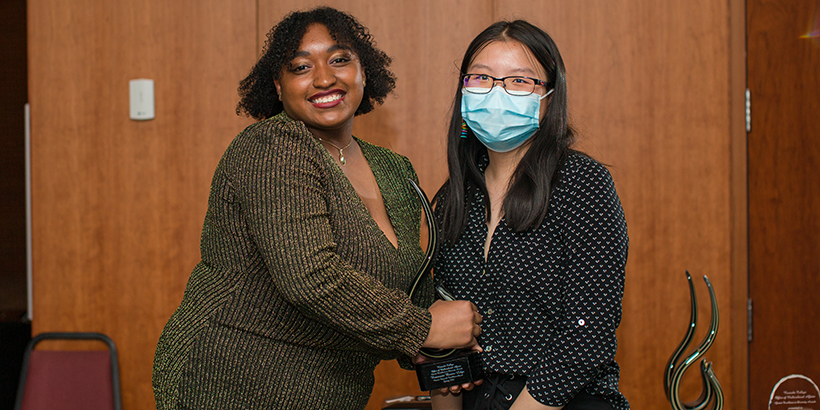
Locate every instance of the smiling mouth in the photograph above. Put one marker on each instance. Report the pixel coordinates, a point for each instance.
(327, 98)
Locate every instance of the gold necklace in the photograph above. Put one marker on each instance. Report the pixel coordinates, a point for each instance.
(341, 154)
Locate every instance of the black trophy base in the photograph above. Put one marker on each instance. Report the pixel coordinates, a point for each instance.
(460, 368)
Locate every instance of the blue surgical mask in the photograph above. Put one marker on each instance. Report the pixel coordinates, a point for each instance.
(502, 122)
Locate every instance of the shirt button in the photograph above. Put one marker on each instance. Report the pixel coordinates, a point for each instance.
(490, 311)
(488, 349)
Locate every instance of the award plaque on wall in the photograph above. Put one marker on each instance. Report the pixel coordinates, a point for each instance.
(795, 392)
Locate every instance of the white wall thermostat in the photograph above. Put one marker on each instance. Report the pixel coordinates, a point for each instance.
(142, 99)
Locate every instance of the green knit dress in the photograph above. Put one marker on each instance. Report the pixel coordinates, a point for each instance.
(299, 293)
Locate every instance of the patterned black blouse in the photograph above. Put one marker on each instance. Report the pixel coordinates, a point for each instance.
(551, 296)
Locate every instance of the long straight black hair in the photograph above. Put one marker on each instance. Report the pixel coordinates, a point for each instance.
(525, 205)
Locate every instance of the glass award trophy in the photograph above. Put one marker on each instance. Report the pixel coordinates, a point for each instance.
(445, 367)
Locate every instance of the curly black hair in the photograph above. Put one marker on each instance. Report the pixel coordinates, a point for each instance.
(259, 98)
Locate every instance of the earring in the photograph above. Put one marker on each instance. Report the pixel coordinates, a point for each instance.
(463, 129)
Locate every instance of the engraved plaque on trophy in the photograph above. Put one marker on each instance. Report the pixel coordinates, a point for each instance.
(461, 366)
(795, 392)
(448, 367)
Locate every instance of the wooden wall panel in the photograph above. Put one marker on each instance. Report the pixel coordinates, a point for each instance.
(784, 193)
(650, 94)
(118, 204)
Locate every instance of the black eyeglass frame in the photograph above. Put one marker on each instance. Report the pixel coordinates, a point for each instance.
(503, 83)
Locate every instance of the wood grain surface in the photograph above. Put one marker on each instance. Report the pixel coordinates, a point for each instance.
(118, 204)
(784, 193)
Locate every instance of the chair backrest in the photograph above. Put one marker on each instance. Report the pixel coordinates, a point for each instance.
(69, 379)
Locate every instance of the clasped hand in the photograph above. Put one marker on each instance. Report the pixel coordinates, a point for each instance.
(456, 324)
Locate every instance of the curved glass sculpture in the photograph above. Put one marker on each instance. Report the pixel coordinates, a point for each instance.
(711, 396)
(427, 264)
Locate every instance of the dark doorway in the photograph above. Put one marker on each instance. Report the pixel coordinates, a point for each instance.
(14, 331)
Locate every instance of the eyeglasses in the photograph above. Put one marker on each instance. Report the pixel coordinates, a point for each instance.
(513, 85)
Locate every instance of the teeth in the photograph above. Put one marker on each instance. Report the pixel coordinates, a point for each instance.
(327, 98)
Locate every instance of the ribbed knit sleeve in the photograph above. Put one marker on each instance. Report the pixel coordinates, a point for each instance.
(288, 193)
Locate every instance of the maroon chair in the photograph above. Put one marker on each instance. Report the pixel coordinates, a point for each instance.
(69, 379)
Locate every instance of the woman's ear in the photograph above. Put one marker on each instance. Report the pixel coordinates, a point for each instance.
(278, 89)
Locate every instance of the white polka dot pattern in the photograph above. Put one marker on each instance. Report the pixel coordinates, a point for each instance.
(551, 296)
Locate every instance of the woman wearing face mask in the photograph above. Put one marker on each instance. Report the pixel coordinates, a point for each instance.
(534, 233)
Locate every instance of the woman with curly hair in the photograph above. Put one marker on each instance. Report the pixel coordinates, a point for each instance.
(310, 242)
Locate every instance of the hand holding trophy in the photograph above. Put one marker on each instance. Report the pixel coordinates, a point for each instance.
(446, 367)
